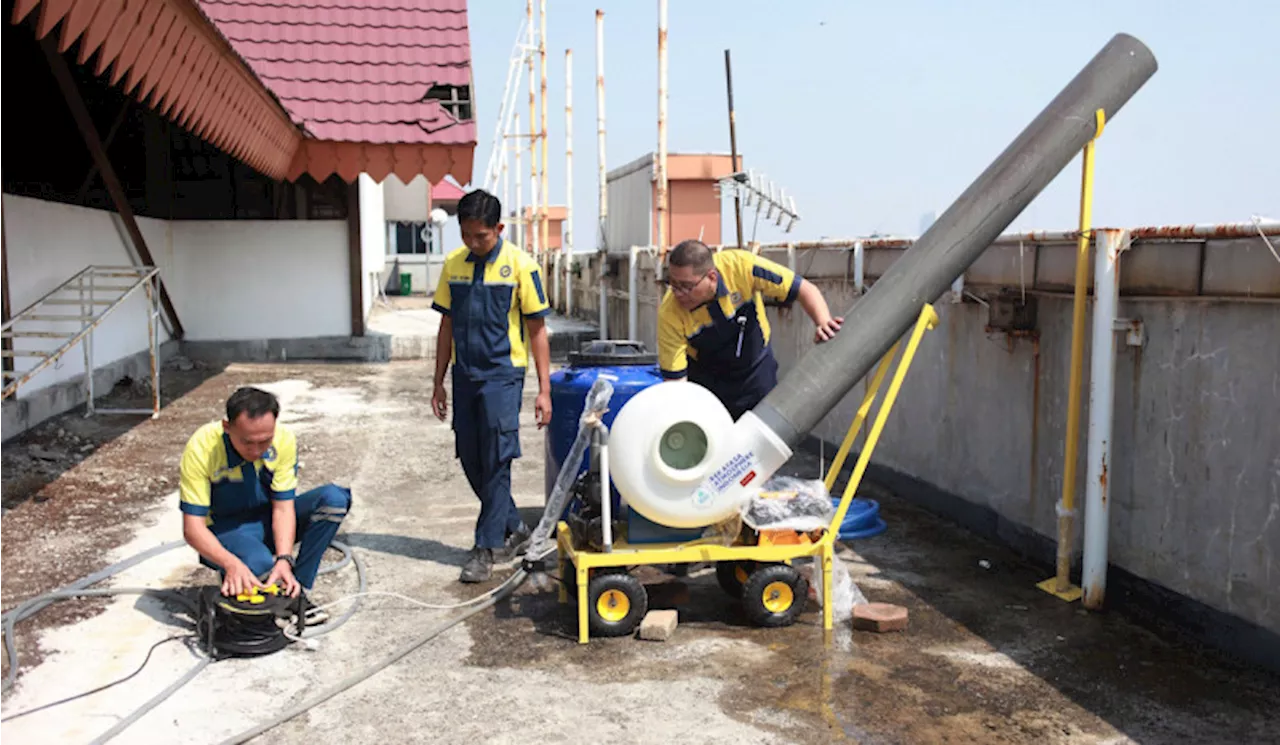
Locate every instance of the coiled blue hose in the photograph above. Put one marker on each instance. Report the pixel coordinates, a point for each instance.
(862, 520)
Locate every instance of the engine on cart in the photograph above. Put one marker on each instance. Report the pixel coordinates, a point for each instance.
(585, 516)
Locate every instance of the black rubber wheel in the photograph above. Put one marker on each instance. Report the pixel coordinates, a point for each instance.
(616, 604)
(774, 595)
(568, 576)
(732, 575)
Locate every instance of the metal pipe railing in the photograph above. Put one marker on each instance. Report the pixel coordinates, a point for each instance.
(660, 190)
(566, 243)
(86, 302)
(602, 180)
(544, 236)
(1198, 231)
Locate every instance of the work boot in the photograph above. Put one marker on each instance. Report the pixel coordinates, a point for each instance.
(479, 567)
(517, 543)
(312, 614)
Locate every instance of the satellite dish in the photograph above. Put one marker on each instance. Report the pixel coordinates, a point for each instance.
(439, 216)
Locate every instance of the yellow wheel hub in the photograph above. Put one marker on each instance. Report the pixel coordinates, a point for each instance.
(613, 605)
(778, 597)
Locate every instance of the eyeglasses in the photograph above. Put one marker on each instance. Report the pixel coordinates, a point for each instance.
(681, 288)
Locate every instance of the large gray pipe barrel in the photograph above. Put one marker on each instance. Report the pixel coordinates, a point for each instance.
(927, 269)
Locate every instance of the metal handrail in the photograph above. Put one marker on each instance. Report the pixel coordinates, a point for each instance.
(146, 277)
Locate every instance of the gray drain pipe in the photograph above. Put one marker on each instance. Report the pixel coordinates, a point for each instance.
(828, 371)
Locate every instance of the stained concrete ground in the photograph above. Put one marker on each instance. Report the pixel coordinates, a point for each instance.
(411, 324)
(987, 657)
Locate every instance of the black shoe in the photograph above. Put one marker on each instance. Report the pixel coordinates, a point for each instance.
(312, 614)
(518, 542)
(479, 567)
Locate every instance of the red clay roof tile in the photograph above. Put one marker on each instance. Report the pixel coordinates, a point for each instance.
(340, 73)
(356, 70)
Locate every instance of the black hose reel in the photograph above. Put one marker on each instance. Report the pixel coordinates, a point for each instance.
(247, 625)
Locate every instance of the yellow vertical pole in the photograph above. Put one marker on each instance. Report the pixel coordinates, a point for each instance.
(828, 597)
(584, 632)
(1060, 585)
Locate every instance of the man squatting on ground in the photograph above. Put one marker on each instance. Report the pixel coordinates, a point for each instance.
(492, 317)
(712, 326)
(239, 506)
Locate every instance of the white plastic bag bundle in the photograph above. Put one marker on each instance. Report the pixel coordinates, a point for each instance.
(786, 503)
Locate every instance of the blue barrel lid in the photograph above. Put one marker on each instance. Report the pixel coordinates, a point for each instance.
(612, 353)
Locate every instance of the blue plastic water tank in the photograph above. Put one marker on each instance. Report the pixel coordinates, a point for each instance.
(632, 369)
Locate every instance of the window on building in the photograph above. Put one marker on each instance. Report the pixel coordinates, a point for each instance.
(412, 238)
(454, 99)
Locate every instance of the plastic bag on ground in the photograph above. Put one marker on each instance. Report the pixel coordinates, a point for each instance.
(597, 403)
(843, 588)
(786, 503)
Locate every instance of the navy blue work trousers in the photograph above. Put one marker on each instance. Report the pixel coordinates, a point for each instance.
(486, 427)
(319, 513)
(740, 390)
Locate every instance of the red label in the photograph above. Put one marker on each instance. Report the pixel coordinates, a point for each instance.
(748, 478)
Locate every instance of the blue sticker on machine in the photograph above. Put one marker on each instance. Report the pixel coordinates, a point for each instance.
(732, 471)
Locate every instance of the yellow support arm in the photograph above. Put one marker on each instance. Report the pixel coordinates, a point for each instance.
(928, 319)
(1060, 585)
(838, 464)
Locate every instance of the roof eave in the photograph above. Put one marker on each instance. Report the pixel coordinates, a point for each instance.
(171, 58)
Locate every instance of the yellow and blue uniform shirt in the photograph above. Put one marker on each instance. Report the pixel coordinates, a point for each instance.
(723, 344)
(217, 483)
(488, 299)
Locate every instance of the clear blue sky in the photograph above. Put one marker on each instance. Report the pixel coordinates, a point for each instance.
(872, 114)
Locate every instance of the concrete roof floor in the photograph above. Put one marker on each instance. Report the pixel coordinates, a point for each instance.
(987, 657)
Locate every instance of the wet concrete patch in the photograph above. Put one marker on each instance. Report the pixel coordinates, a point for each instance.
(987, 656)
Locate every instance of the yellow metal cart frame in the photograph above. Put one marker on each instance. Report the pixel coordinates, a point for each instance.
(581, 562)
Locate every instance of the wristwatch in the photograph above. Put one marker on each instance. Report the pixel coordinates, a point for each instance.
(288, 558)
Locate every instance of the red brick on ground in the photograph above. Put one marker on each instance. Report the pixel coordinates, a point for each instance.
(658, 625)
(879, 617)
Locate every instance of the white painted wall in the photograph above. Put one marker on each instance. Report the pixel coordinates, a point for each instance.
(260, 279)
(373, 237)
(229, 280)
(406, 202)
(49, 242)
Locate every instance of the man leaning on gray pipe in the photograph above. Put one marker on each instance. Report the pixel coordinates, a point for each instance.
(827, 372)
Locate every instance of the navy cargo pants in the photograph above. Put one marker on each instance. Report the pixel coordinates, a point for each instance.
(486, 427)
(739, 391)
(249, 537)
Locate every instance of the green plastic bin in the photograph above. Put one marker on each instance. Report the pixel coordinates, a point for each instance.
(406, 283)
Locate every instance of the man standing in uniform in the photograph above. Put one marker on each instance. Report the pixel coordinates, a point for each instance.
(239, 510)
(712, 327)
(493, 310)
